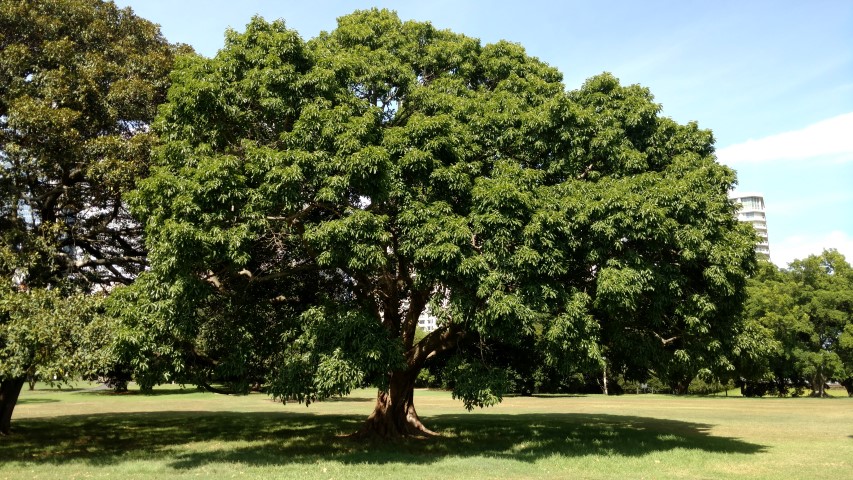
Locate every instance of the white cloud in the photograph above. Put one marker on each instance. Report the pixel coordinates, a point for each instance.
(798, 247)
(828, 139)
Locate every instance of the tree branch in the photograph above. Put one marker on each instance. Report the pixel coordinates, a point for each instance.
(437, 342)
(417, 303)
(585, 172)
(665, 341)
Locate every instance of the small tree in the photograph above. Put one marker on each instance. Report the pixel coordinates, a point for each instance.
(43, 332)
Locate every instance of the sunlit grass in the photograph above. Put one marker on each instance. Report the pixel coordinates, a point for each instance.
(189, 434)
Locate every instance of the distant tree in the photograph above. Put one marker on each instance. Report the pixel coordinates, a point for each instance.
(774, 326)
(47, 334)
(845, 351)
(825, 295)
(806, 311)
(311, 199)
(80, 81)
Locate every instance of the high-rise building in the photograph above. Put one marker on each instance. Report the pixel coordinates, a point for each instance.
(752, 211)
(427, 321)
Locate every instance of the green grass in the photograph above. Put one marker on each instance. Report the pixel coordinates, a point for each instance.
(188, 434)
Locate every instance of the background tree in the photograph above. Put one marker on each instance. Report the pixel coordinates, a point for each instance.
(825, 294)
(80, 81)
(806, 311)
(327, 192)
(658, 231)
(44, 333)
(771, 311)
(845, 351)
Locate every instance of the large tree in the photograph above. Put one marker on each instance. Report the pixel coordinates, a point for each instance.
(312, 199)
(80, 81)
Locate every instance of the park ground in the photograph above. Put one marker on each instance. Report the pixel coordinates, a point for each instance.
(81, 433)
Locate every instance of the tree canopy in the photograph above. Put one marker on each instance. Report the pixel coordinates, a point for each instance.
(311, 199)
(805, 312)
(46, 335)
(80, 81)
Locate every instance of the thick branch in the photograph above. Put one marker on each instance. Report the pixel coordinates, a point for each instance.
(417, 303)
(289, 219)
(440, 340)
(477, 248)
(98, 262)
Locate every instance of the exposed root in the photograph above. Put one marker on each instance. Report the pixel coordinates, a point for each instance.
(393, 418)
(370, 433)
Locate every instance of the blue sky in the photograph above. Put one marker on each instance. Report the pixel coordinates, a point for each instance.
(772, 79)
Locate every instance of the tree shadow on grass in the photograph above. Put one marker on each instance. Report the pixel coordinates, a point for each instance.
(349, 399)
(186, 440)
(34, 401)
(137, 393)
(546, 395)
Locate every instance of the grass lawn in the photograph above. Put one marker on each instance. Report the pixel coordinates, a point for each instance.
(176, 433)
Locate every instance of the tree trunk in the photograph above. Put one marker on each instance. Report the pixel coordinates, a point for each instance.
(395, 415)
(679, 387)
(848, 385)
(781, 386)
(31, 378)
(9, 390)
(819, 385)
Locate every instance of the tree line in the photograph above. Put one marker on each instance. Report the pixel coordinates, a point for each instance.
(278, 217)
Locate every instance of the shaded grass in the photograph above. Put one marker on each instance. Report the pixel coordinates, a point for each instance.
(272, 438)
(182, 433)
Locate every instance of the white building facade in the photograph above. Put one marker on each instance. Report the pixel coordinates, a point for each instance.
(427, 321)
(752, 210)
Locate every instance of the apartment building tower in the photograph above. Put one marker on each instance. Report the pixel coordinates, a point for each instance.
(752, 211)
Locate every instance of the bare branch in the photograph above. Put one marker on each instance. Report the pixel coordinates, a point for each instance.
(585, 172)
(665, 341)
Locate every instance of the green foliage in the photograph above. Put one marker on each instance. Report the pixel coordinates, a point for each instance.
(141, 342)
(317, 196)
(47, 335)
(701, 386)
(427, 379)
(479, 385)
(334, 352)
(81, 80)
(654, 385)
(806, 313)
